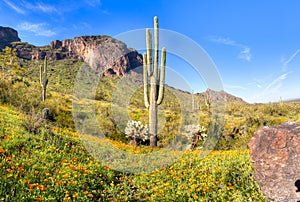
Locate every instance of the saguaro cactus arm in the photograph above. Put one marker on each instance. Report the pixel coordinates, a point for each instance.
(149, 51)
(145, 72)
(156, 45)
(162, 77)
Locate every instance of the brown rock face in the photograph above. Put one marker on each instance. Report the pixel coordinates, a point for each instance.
(275, 152)
(104, 54)
(7, 35)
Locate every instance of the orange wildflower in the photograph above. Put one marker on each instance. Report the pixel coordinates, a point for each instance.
(2, 150)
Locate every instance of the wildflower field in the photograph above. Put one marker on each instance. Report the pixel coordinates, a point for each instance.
(53, 165)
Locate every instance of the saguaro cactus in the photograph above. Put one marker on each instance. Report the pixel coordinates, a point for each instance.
(43, 79)
(157, 80)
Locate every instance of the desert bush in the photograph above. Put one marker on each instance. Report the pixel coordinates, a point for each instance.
(34, 122)
(137, 132)
(195, 134)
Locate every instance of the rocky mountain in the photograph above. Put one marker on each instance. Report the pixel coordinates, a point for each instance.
(104, 54)
(7, 36)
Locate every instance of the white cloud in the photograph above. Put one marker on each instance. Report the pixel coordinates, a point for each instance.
(221, 40)
(244, 53)
(272, 90)
(14, 7)
(93, 3)
(38, 29)
(29, 7)
(286, 62)
(235, 87)
(276, 83)
(40, 7)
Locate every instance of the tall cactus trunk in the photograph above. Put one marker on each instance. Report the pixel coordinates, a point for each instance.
(157, 80)
(153, 112)
(153, 125)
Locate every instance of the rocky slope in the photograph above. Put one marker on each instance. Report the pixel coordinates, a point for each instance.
(7, 36)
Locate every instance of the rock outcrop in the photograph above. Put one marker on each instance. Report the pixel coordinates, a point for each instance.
(7, 36)
(275, 152)
(221, 96)
(104, 54)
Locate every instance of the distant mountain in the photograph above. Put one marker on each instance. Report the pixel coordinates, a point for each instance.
(221, 95)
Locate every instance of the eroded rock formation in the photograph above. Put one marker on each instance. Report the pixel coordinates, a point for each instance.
(104, 54)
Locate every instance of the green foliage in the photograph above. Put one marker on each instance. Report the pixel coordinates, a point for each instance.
(242, 120)
(51, 165)
(221, 176)
(9, 64)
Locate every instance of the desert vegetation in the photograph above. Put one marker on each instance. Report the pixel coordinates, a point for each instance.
(46, 160)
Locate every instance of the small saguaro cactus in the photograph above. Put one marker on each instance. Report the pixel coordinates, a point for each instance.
(157, 80)
(208, 101)
(43, 79)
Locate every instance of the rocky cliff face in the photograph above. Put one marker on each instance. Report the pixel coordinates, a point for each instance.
(7, 35)
(104, 54)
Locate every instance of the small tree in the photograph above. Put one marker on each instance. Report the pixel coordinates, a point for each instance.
(194, 133)
(137, 132)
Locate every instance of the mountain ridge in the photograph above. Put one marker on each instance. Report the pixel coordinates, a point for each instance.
(103, 53)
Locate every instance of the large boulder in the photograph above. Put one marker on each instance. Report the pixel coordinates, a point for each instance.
(275, 153)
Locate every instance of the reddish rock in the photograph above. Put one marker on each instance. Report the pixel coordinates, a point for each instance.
(56, 44)
(275, 153)
(104, 54)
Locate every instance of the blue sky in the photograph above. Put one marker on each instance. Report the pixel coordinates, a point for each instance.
(255, 45)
